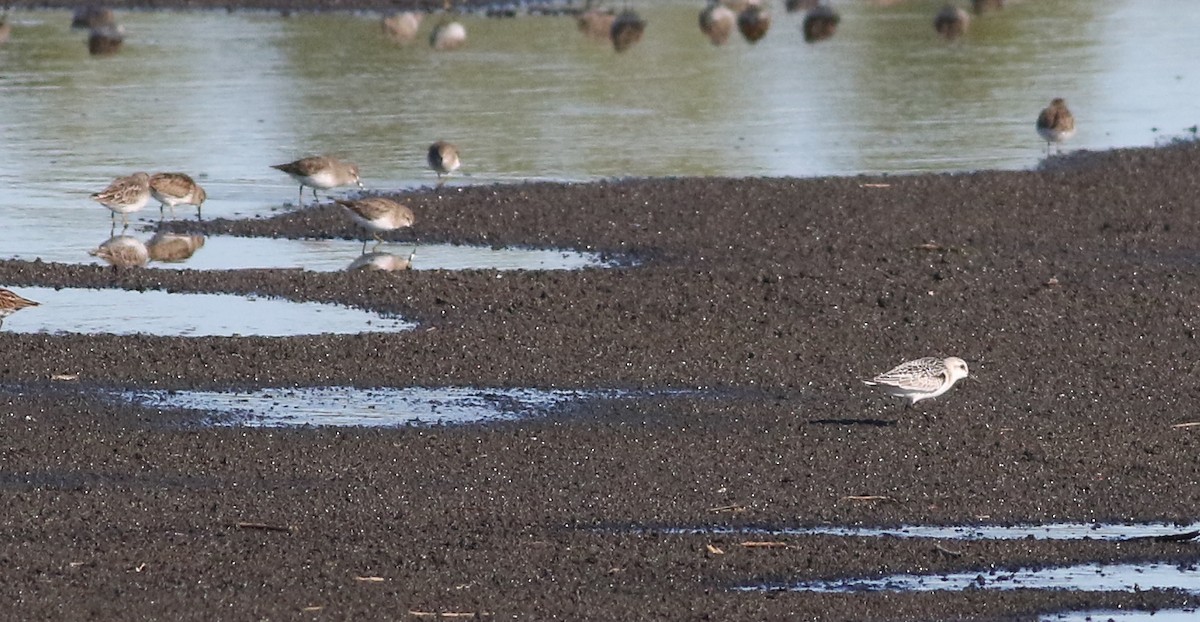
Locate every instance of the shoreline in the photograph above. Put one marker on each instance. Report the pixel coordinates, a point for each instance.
(1069, 290)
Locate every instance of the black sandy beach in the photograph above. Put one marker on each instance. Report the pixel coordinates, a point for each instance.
(1072, 291)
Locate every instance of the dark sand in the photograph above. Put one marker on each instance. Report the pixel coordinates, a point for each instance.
(1074, 294)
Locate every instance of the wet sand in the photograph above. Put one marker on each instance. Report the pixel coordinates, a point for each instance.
(1072, 292)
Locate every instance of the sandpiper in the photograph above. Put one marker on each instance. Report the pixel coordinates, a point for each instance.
(951, 22)
(402, 27)
(1056, 124)
(922, 378)
(171, 189)
(443, 158)
(627, 30)
(324, 172)
(10, 303)
(448, 36)
(125, 195)
(378, 214)
(753, 22)
(820, 23)
(717, 22)
(596, 24)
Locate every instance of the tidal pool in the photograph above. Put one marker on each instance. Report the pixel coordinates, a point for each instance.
(125, 312)
(349, 406)
(1051, 531)
(232, 253)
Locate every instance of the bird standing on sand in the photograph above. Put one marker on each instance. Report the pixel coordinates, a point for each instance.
(171, 189)
(324, 172)
(10, 303)
(378, 214)
(1056, 123)
(443, 159)
(717, 22)
(951, 22)
(922, 378)
(125, 195)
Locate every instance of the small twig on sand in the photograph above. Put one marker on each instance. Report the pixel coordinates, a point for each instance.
(370, 579)
(264, 527)
(1190, 424)
(714, 550)
(951, 553)
(765, 545)
(446, 614)
(728, 508)
(866, 498)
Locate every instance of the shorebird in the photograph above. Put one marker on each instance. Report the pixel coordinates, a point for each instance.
(596, 24)
(10, 303)
(125, 195)
(753, 22)
(951, 22)
(122, 251)
(106, 40)
(171, 189)
(322, 172)
(448, 36)
(385, 262)
(922, 378)
(401, 27)
(378, 214)
(443, 159)
(1056, 123)
(820, 23)
(717, 22)
(626, 30)
(173, 246)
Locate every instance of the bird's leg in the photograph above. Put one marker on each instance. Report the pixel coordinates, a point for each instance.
(364, 250)
(316, 199)
(300, 201)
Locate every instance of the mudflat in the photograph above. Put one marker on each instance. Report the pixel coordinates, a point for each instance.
(1073, 292)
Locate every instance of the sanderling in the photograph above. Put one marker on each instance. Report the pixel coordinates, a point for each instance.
(171, 189)
(402, 27)
(922, 378)
(378, 214)
(322, 172)
(627, 30)
(10, 303)
(443, 158)
(1056, 123)
(717, 22)
(448, 36)
(820, 23)
(753, 22)
(125, 195)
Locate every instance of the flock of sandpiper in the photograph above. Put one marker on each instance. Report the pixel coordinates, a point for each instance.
(914, 380)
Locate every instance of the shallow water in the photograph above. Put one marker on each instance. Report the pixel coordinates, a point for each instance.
(231, 253)
(223, 96)
(123, 312)
(349, 406)
(1051, 531)
(1080, 578)
(1161, 615)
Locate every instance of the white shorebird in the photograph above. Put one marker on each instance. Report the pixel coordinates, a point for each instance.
(922, 378)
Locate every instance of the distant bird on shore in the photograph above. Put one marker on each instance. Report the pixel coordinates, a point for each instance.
(820, 24)
(93, 16)
(627, 29)
(173, 246)
(921, 379)
(443, 159)
(122, 251)
(951, 22)
(753, 22)
(125, 195)
(983, 6)
(596, 24)
(401, 27)
(10, 303)
(448, 36)
(1056, 124)
(324, 172)
(106, 40)
(384, 262)
(378, 214)
(171, 189)
(717, 22)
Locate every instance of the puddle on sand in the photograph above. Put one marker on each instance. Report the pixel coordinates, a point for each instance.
(233, 253)
(1162, 615)
(1051, 531)
(349, 406)
(1080, 578)
(124, 312)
